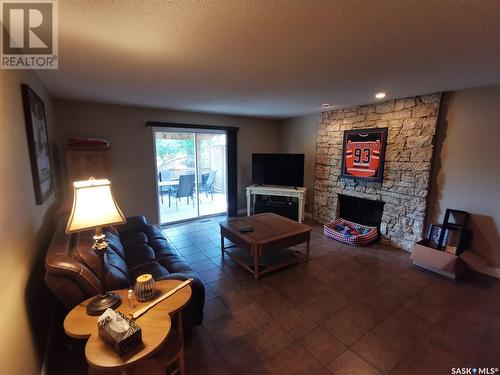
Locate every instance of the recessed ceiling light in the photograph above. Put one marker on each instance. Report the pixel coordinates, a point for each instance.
(380, 95)
(326, 105)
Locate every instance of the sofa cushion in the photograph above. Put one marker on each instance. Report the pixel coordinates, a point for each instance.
(114, 243)
(149, 246)
(148, 251)
(118, 272)
(174, 264)
(158, 242)
(131, 239)
(137, 253)
(133, 224)
(154, 268)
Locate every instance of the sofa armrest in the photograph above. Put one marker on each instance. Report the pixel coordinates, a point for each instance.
(133, 224)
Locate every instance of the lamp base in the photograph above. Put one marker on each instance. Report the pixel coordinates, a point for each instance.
(102, 302)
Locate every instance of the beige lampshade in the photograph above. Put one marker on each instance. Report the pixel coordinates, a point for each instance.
(94, 206)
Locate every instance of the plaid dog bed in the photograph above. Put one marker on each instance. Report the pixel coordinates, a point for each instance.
(351, 233)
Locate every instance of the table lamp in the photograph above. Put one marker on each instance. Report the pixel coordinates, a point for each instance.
(94, 206)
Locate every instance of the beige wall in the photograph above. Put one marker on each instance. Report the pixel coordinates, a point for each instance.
(25, 230)
(467, 168)
(298, 135)
(132, 171)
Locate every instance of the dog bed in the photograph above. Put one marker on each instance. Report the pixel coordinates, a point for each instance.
(351, 233)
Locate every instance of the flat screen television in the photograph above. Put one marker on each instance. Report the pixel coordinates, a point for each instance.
(278, 169)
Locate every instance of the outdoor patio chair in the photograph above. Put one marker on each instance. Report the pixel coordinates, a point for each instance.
(163, 176)
(185, 189)
(208, 185)
(204, 178)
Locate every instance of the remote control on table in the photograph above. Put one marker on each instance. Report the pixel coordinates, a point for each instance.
(246, 230)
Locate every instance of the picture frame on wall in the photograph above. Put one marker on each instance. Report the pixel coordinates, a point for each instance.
(38, 144)
(363, 154)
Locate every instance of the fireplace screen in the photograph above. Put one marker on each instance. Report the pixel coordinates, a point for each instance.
(363, 154)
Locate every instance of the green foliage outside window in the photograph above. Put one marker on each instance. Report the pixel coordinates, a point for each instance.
(170, 151)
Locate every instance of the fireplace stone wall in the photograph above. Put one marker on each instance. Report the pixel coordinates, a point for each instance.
(411, 124)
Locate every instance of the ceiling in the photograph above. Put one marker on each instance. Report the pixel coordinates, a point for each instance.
(271, 58)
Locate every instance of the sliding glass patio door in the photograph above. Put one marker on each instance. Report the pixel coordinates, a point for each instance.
(191, 173)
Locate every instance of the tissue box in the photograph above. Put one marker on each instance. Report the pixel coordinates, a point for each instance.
(120, 342)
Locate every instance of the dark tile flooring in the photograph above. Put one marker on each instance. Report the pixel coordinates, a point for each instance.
(347, 311)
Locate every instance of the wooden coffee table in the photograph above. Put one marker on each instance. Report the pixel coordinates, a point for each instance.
(155, 325)
(271, 235)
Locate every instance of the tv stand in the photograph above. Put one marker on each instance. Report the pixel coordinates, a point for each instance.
(282, 191)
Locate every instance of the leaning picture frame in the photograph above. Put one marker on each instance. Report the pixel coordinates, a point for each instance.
(38, 144)
(434, 233)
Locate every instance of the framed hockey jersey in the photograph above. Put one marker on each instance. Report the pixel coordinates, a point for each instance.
(363, 154)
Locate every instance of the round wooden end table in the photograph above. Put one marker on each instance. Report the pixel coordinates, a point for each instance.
(156, 330)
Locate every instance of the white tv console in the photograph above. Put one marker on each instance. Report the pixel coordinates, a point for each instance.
(299, 192)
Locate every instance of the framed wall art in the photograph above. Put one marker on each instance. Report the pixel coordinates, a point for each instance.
(363, 154)
(38, 144)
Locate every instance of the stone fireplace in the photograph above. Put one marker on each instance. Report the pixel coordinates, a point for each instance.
(411, 124)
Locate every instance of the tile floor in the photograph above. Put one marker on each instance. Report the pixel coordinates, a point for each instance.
(349, 311)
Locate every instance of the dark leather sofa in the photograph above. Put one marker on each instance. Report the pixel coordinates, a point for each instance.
(135, 248)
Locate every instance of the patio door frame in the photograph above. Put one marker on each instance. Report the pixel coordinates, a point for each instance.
(231, 165)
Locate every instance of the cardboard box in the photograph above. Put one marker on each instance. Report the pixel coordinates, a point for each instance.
(441, 262)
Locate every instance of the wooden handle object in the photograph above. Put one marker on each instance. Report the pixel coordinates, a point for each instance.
(139, 312)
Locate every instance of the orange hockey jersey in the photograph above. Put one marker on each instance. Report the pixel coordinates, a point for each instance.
(362, 159)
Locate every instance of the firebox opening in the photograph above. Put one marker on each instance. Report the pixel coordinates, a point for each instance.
(362, 211)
